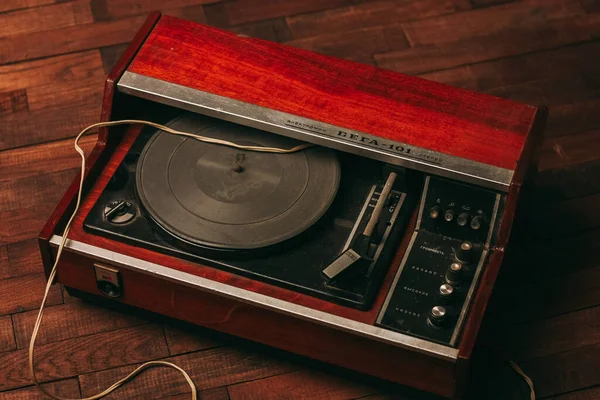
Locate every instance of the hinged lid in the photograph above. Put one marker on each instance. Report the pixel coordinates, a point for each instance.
(337, 103)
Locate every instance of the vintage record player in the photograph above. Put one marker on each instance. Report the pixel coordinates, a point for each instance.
(375, 249)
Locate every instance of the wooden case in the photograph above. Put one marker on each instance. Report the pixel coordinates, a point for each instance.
(431, 127)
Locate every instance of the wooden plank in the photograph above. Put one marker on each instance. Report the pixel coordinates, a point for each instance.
(69, 39)
(591, 5)
(208, 369)
(27, 192)
(73, 68)
(25, 293)
(585, 394)
(68, 388)
(566, 183)
(509, 42)
(187, 339)
(84, 354)
(42, 159)
(525, 69)
(50, 17)
(552, 335)
(238, 12)
(356, 45)
(373, 13)
(219, 393)
(570, 150)
(489, 3)
(38, 44)
(578, 116)
(7, 337)
(300, 384)
(4, 263)
(13, 5)
(275, 30)
(567, 217)
(22, 224)
(24, 258)
(544, 298)
(65, 119)
(114, 9)
(13, 101)
(482, 22)
(564, 372)
(64, 94)
(71, 320)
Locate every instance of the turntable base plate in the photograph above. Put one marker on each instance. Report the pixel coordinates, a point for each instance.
(222, 197)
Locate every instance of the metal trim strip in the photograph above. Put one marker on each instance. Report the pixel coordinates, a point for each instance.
(305, 129)
(260, 300)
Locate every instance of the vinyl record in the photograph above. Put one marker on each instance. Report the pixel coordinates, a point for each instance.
(226, 198)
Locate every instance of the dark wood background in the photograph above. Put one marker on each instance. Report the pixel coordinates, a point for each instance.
(545, 315)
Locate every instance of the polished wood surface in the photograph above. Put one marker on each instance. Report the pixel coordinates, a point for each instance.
(545, 309)
(349, 95)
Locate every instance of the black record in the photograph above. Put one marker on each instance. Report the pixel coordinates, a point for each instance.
(226, 198)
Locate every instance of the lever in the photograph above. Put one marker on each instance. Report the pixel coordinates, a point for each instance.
(357, 253)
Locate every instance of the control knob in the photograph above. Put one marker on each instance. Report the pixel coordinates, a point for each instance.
(454, 273)
(434, 212)
(476, 222)
(449, 215)
(464, 252)
(462, 219)
(437, 316)
(446, 293)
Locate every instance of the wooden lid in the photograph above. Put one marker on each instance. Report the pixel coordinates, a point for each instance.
(354, 107)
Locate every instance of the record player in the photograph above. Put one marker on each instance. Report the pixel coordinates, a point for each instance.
(375, 248)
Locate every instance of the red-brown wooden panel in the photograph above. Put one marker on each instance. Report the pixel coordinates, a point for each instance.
(346, 94)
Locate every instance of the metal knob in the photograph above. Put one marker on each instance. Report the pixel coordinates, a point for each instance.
(449, 215)
(464, 252)
(462, 219)
(454, 273)
(446, 293)
(434, 212)
(476, 222)
(437, 315)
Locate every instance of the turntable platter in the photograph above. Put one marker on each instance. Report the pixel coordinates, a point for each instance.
(222, 197)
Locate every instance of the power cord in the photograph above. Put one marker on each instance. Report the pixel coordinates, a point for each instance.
(519, 371)
(52, 275)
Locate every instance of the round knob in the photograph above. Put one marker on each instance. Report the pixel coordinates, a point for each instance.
(462, 219)
(119, 212)
(464, 252)
(454, 273)
(434, 212)
(437, 315)
(476, 222)
(449, 215)
(446, 292)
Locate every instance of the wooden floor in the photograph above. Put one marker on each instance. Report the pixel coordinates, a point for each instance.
(546, 309)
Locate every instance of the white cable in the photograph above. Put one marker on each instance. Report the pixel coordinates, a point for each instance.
(527, 379)
(38, 321)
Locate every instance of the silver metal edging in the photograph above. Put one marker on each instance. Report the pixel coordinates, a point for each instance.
(422, 205)
(478, 271)
(398, 273)
(314, 131)
(257, 299)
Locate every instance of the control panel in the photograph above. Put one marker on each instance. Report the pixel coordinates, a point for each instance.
(439, 272)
